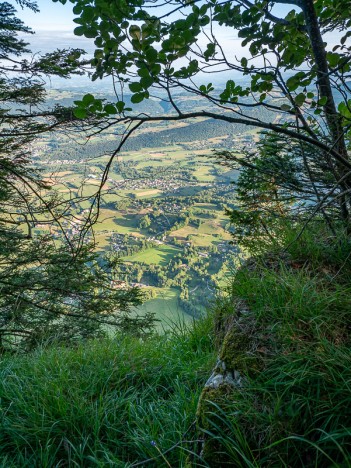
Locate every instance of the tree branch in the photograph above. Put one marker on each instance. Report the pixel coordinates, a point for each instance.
(281, 129)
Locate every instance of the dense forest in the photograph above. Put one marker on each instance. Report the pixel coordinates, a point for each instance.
(175, 252)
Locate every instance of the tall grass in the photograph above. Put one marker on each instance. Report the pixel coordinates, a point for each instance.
(106, 403)
(295, 407)
(126, 402)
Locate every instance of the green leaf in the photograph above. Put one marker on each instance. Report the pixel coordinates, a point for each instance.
(135, 32)
(300, 99)
(333, 59)
(96, 106)
(210, 50)
(322, 101)
(136, 98)
(120, 106)
(345, 109)
(77, 9)
(88, 14)
(146, 82)
(151, 54)
(292, 84)
(143, 72)
(204, 21)
(156, 69)
(91, 33)
(110, 109)
(79, 113)
(203, 9)
(79, 31)
(135, 87)
(88, 99)
(99, 54)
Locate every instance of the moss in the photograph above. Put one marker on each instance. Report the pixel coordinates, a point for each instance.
(238, 352)
(224, 319)
(239, 340)
(211, 397)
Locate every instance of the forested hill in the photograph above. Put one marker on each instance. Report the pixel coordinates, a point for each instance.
(209, 128)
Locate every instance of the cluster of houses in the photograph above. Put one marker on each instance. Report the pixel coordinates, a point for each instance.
(165, 184)
(118, 242)
(117, 284)
(243, 141)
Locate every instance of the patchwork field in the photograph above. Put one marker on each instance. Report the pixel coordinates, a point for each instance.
(158, 201)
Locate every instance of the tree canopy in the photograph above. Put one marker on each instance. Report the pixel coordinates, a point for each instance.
(52, 285)
(157, 48)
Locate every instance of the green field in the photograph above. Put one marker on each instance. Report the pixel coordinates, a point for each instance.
(203, 173)
(138, 184)
(112, 220)
(166, 309)
(159, 255)
(210, 227)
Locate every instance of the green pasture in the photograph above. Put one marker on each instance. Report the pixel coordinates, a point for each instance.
(185, 231)
(101, 240)
(204, 240)
(109, 198)
(89, 190)
(148, 193)
(189, 191)
(158, 255)
(203, 173)
(113, 220)
(195, 237)
(85, 205)
(206, 206)
(166, 308)
(155, 163)
(209, 227)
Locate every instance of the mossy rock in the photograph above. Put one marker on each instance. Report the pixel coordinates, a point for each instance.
(238, 354)
(210, 399)
(240, 341)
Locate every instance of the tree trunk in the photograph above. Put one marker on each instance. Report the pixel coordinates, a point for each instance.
(332, 116)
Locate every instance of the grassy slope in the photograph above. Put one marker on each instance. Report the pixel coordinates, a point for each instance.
(166, 308)
(159, 255)
(103, 403)
(293, 352)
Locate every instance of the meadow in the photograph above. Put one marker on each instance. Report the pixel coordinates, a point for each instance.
(166, 308)
(139, 182)
(159, 255)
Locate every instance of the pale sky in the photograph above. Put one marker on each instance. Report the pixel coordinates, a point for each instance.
(52, 16)
(58, 17)
(54, 26)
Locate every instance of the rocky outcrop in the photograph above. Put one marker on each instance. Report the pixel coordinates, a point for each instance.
(239, 343)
